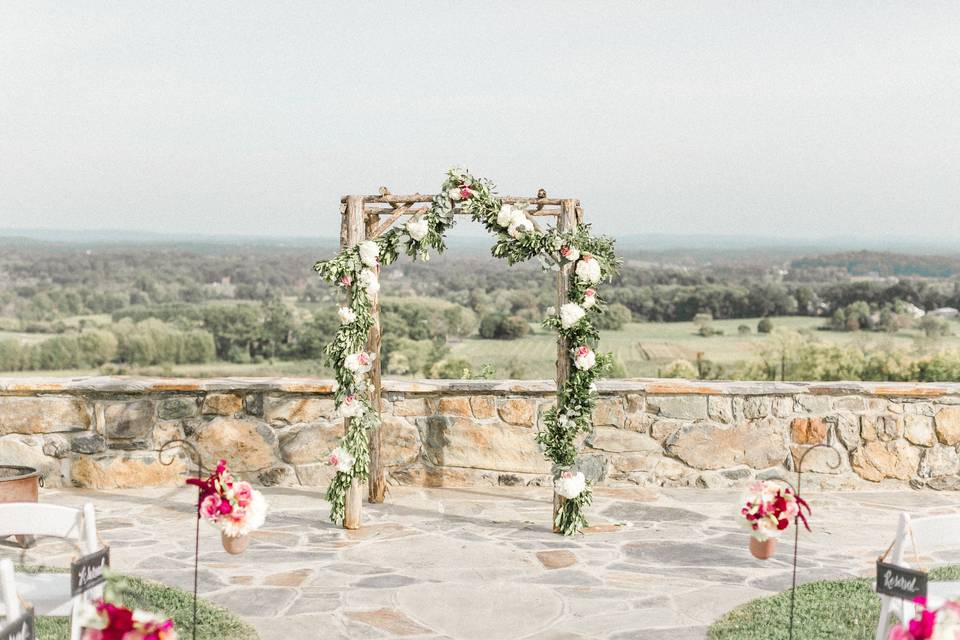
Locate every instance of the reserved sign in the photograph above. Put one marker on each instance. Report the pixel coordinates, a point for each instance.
(23, 628)
(88, 571)
(900, 582)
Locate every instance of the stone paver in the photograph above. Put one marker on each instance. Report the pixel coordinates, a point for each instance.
(482, 563)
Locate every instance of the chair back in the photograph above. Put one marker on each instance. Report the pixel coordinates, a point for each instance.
(8, 592)
(934, 532)
(33, 519)
(915, 537)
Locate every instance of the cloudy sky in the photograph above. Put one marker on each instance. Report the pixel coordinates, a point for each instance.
(767, 118)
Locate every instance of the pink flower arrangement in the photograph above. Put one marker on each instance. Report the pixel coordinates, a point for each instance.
(768, 509)
(233, 505)
(107, 621)
(930, 624)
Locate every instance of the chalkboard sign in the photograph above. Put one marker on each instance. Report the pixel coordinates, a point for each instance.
(23, 628)
(900, 582)
(88, 571)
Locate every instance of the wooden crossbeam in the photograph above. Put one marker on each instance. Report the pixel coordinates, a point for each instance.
(419, 197)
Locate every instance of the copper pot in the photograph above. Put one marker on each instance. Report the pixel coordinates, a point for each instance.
(19, 484)
(762, 550)
(234, 545)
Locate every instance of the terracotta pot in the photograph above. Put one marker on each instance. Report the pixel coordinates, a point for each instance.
(762, 550)
(19, 484)
(235, 545)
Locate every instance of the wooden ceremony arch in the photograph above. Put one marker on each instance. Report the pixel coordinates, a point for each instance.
(366, 218)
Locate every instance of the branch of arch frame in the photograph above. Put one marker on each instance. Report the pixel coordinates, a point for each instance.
(399, 206)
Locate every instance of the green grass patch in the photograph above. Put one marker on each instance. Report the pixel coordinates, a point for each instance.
(847, 609)
(213, 622)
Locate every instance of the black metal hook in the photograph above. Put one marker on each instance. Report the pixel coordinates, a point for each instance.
(796, 519)
(196, 547)
(183, 443)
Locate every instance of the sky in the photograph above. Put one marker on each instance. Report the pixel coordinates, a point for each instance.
(786, 119)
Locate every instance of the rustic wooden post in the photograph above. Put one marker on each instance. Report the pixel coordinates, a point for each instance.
(377, 486)
(351, 233)
(565, 221)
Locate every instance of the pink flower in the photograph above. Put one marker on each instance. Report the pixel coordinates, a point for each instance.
(210, 507)
(334, 459)
(465, 192)
(346, 281)
(921, 628)
(243, 492)
(225, 507)
(899, 633)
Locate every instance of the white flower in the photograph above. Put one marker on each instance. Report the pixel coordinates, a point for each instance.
(570, 252)
(370, 281)
(417, 229)
(589, 298)
(588, 269)
(342, 459)
(463, 192)
(359, 362)
(519, 226)
(506, 215)
(347, 315)
(570, 314)
(584, 358)
(551, 311)
(252, 519)
(351, 407)
(557, 243)
(570, 485)
(369, 253)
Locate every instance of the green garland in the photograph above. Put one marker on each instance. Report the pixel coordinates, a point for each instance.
(517, 241)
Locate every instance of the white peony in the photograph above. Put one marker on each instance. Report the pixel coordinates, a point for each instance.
(556, 243)
(584, 358)
(370, 281)
(342, 459)
(417, 229)
(588, 269)
(347, 316)
(253, 518)
(351, 407)
(519, 226)
(569, 484)
(369, 253)
(551, 311)
(506, 215)
(570, 314)
(360, 362)
(589, 298)
(570, 252)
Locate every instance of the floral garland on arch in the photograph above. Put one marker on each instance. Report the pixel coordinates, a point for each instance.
(517, 240)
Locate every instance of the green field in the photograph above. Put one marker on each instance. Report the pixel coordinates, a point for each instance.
(643, 348)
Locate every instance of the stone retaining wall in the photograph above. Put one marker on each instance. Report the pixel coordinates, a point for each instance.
(105, 432)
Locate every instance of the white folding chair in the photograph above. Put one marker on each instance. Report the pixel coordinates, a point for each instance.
(928, 534)
(50, 592)
(8, 593)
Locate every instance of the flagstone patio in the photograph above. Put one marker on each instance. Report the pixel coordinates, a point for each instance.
(482, 563)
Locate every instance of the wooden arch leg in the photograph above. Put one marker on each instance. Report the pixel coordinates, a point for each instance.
(565, 221)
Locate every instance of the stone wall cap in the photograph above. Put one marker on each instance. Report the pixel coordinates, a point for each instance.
(650, 386)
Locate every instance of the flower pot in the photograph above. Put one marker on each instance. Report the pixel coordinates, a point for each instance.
(762, 549)
(234, 545)
(20, 484)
